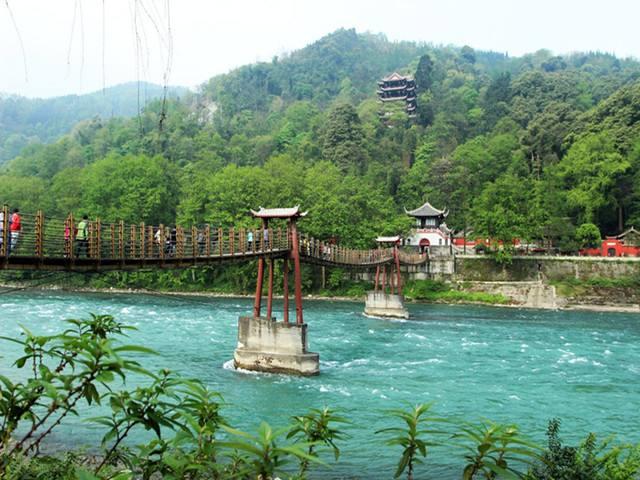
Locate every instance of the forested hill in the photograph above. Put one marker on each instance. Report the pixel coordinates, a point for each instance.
(42, 120)
(534, 147)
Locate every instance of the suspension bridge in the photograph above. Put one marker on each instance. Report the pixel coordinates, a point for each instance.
(82, 245)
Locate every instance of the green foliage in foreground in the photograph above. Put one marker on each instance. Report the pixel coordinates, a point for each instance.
(439, 291)
(191, 439)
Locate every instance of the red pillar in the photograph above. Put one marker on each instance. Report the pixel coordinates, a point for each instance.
(258, 300)
(297, 277)
(384, 279)
(377, 278)
(399, 277)
(270, 290)
(285, 287)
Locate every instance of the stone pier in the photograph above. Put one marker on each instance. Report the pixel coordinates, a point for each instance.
(265, 345)
(380, 304)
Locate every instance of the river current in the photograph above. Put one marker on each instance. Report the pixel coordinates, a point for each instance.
(507, 365)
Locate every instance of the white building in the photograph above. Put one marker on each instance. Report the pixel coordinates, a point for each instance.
(430, 229)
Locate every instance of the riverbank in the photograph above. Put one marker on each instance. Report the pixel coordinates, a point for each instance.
(534, 295)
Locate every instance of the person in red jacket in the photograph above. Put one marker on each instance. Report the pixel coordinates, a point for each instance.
(15, 228)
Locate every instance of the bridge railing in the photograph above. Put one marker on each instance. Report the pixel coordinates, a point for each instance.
(407, 258)
(51, 237)
(330, 252)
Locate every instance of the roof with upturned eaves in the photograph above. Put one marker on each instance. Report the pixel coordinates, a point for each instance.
(278, 212)
(395, 76)
(426, 210)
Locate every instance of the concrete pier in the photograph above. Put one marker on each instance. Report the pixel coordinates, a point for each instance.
(265, 345)
(380, 304)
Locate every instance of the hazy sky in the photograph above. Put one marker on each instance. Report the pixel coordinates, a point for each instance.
(65, 52)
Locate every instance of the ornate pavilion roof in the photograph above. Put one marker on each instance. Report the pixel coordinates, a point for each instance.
(426, 210)
(278, 212)
(631, 231)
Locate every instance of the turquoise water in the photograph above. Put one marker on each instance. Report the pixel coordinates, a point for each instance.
(522, 366)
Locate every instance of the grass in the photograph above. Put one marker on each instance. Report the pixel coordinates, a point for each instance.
(438, 291)
(573, 287)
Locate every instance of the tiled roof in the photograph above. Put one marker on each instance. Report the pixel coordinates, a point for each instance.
(426, 210)
(278, 212)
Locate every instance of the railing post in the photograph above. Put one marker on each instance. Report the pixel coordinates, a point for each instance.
(161, 244)
(150, 241)
(180, 241)
(207, 237)
(220, 240)
(132, 242)
(231, 241)
(98, 252)
(194, 239)
(121, 239)
(143, 242)
(5, 230)
(113, 240)
(39, 234)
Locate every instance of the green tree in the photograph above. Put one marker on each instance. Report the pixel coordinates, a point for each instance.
(588, 235)
(343, 139)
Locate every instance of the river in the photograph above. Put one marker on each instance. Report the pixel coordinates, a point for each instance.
(508, 365)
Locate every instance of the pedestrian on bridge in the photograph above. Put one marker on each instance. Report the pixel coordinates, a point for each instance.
(82, 236)
(250, 240)
(15, 228)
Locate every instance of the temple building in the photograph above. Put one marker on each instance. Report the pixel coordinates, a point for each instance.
(430, 228)
(398, 88)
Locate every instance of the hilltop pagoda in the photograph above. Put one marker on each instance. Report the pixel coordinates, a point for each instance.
(399, 88)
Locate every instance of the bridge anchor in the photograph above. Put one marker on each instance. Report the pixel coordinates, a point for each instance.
(379, 303)
(265, 345)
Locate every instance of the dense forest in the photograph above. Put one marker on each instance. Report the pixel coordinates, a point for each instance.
(25, 121)
(531, 147)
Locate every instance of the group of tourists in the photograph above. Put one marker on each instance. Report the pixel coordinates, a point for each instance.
(13, 225)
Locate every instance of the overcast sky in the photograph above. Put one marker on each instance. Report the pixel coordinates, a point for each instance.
(64, 51)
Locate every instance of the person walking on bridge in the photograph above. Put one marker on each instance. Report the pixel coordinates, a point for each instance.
(15, 228)
(82, 236)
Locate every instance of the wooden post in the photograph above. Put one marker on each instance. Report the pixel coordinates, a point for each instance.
(232, 242)
(220, 240)
(121, 239)
(180, 242)
(98, 248)
(39, 234)
(194, 241)
(207, 237)
(285, 288)
(377, 278)
(163, 240)
(270, 290)
(113, 240)
(143, 232)
(151, 240)
(5, 230)
(132, 242)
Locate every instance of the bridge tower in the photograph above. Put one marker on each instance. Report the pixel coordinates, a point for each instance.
(264, 344)
(379, 303)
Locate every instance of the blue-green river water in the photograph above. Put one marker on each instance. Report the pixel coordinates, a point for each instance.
(508, 365)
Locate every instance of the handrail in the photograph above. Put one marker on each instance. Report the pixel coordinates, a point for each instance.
(51, 238)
